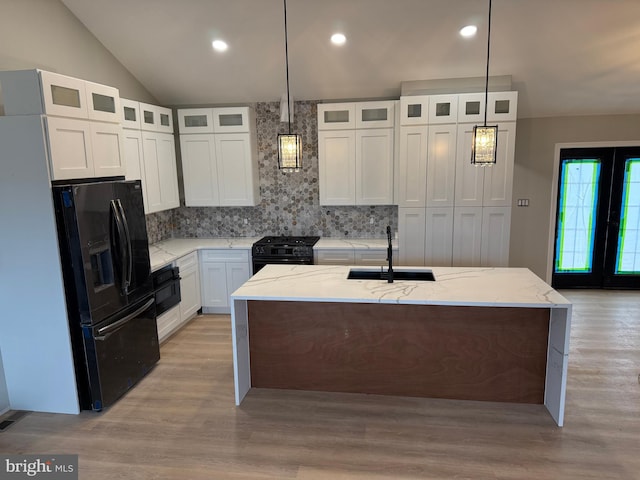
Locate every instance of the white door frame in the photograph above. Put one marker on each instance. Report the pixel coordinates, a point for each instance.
(554, 189)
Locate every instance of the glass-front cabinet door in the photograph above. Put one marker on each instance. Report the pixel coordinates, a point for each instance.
(195, 120)
(414, 110)
(103, 102)
(63, 96)
(336, 116)
(231, 120)
(375, 114)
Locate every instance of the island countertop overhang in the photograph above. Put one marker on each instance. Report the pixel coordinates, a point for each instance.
(454, 286)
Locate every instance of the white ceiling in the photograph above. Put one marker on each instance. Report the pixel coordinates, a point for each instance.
(566, 57)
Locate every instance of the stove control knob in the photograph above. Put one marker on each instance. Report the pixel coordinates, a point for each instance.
(260, 250)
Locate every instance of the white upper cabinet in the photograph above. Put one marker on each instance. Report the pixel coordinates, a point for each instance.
(471, 107)
(82, 149)
(154, 118)
(103, 102)
(502, 107)
(356, 153)
(498, 179)
(221, 168)
(149, 153)
(70, 148)
(199, 170)
(412, 166)
(237, 177)
(374, 171)
(33, 92)
(161, 177)
(195, 120)
(466, 209)
(336, 116)
(83, 121)
(414, 110)
(441, 165)
(337, 167)
(374, 114)
(130, 117)
(488, 186)
(64, 96)
(443, 109)
(232, 119)
(106, 141)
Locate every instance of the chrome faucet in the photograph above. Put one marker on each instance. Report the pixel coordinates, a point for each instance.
(389, 256)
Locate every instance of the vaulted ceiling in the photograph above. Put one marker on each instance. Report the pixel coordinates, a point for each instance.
(566, 57)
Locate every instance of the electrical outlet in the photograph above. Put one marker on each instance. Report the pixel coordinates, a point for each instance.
(246, 222)
(371, 220)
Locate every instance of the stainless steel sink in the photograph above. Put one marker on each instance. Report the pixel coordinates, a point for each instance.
(417, 275)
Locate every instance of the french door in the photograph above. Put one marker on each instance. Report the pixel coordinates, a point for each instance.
(597, 241)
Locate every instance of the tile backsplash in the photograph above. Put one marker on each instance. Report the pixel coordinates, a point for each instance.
(289, 201)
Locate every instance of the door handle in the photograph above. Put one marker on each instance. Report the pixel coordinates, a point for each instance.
(106, 332)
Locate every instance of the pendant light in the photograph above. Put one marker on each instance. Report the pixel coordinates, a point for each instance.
(289, 145)
(485, 138)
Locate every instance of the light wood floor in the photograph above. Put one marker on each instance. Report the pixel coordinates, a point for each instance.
(181, 423)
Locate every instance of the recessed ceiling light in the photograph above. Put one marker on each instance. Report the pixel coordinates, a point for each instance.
(468, 31)
(338, 39)
(219, 45)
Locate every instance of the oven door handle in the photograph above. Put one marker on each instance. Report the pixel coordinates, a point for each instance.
(106, 332)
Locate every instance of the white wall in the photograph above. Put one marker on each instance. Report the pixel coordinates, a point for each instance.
(45, 34)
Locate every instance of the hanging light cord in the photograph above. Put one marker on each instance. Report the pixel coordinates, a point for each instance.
(486, 84)
(286, 56)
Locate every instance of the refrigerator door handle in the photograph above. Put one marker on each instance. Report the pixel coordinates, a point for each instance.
(129, 247)
(106, 332)
(121, 241)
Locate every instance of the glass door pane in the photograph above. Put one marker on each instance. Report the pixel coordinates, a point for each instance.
(579, 185)
(628, 256)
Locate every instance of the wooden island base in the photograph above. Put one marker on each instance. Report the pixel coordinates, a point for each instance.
(454, 352)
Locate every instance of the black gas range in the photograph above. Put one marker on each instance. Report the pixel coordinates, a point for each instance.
(283, 250)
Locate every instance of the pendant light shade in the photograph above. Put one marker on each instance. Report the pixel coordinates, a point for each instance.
(484, 148)
(289, 145)
(485, 145)
(289, 151)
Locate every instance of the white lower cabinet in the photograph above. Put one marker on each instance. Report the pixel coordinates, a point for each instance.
(352, 256)
(372, 257)
(222, 272)
(467, 236)
(496, 223)
(334, 256)
(168, 323)
(411, 227)
(178, 316)
(190, 301)
(439, 236)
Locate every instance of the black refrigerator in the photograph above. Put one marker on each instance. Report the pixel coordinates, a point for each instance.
(111, 309)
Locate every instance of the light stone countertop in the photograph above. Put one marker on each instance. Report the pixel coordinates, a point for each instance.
(456, 286)
(167, 251)
(354, 243)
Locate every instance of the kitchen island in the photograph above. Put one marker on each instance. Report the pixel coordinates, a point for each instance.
(494, 334)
